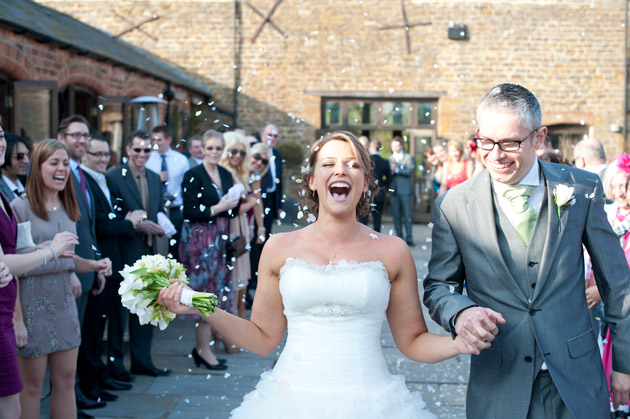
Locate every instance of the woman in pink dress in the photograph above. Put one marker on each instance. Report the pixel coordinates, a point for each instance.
(457, 168)
(618, 216)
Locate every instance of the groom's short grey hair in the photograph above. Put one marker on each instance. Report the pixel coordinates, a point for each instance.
(515, 98)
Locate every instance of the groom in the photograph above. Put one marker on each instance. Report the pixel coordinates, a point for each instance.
(520, 254)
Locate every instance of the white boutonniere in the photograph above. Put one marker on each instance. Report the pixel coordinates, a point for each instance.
(563, 197)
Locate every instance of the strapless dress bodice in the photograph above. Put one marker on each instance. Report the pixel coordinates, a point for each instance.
(332, 365)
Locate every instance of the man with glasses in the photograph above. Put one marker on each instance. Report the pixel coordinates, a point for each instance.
(514, 235)
(171, 166)
(74, 133)
(272, 181)
(111, 230)
(134, 187)
(17, 158)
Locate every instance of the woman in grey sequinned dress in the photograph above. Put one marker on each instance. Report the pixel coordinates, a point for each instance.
(47, 293)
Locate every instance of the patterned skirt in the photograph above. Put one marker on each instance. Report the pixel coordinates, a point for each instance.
(202, 252)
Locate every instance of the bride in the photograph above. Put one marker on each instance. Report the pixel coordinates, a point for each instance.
(332, 283)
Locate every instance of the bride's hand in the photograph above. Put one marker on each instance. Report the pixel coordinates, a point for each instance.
(464, 347)
(170, 298)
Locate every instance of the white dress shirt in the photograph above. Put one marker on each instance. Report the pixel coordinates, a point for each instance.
(176, 165)
(17, 189)
(101, 181)
(532, 178)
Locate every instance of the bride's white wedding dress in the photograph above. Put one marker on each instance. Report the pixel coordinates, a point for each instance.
(332, 365)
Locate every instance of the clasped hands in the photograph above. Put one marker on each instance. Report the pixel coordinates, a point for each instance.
(477, 326)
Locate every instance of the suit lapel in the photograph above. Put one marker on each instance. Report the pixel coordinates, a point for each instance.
(480, 209)
(553, 178)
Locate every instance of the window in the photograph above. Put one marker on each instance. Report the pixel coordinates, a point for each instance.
(370, 114)
(361, 113)
(396, 113)
(332, 113)
(35, 115)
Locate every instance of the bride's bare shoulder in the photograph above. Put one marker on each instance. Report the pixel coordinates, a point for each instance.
(281, 246)
(392, 251)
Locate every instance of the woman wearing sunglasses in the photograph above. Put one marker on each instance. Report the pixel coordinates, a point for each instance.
(235, 159)
(207, 213)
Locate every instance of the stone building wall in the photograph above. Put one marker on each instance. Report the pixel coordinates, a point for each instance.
(570, 53)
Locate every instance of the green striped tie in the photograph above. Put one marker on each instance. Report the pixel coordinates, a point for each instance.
(524, 216)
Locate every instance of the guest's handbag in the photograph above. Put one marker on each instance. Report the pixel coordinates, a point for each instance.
(236, 247)
(24, 237)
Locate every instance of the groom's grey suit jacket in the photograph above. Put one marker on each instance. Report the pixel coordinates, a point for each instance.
(539, 289)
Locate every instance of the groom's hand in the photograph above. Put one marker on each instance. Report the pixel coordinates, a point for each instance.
(620, 388)
(478, 326)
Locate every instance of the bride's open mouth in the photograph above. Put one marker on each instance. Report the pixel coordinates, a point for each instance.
(340, 191)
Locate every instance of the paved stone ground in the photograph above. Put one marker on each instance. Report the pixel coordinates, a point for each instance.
(191, 392)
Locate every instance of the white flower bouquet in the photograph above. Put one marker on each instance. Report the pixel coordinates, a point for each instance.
(143, 281)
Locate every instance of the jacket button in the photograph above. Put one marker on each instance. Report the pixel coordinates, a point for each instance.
(533, 285)
(531, 264)
(528, 359)
(532, 312)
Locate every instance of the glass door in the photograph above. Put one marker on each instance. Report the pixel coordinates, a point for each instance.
(419, 140)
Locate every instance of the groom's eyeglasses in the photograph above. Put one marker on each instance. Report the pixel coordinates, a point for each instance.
(505, 145)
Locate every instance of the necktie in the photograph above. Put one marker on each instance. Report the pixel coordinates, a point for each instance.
(164, 169)
(144, 196)
(524, 216)
(83, 185)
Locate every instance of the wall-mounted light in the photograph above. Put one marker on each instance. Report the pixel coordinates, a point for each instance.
(457, 32)
(615, 128)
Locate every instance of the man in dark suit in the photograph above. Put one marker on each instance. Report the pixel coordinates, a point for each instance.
(74, 133)
(514, 234)
(133, 187)
(272, 181)
(382, 174)
(402, 166)
(111, 230)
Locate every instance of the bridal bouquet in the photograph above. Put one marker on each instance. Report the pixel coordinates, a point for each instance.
(143, 281)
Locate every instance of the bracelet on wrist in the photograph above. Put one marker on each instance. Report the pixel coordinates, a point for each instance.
(43, 255)
(54, 252)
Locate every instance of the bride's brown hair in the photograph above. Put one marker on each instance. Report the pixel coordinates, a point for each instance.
(310, 198)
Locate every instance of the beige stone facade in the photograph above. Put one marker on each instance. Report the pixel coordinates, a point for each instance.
(570, 53)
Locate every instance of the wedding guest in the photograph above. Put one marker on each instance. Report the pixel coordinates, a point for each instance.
(11, 266)
(621, 225)
(259, 165)
(47, 293)
(382, 178)
(171, 166)
(272, 182)
(434, 166)
(514, 235)
(236, 162)
(196, 151)
(589, 155)
(402, 166)
(18, 154)
(133, 187)
(207, 211)
(105, 308)
(457, 168)
(333, 309)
